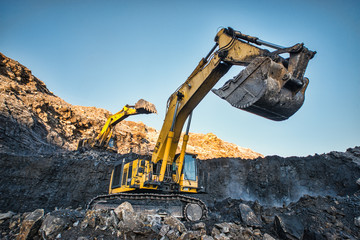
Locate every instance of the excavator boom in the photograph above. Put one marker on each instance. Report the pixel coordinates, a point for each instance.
(101, 141)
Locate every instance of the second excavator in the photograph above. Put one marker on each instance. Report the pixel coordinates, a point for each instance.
(104, 140)
(271, 86)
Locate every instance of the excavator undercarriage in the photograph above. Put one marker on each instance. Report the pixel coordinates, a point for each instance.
(177, 205)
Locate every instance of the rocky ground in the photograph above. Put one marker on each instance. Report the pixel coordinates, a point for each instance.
(45, 185)
(313, 197)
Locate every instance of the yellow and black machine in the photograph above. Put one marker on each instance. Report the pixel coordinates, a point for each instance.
(104, 140)
(271, 86)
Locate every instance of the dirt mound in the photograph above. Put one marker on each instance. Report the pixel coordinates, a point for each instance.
(34, 120)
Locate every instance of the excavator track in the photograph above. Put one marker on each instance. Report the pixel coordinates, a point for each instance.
(193, 209)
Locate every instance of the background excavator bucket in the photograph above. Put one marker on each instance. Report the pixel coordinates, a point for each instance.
(266, 88)
(143, 106)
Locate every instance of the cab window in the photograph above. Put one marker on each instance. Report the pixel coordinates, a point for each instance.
(190, 167)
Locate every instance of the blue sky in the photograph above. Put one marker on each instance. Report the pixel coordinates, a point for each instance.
(111, 53)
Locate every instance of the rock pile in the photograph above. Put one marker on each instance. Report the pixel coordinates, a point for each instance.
(208, 146)
(120, 223)
(34, 120)
(309, 218)
(321, 217)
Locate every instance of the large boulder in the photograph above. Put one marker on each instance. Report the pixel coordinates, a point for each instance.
(130, 221)
(288, 227)
(248, 216)
(6, 215)
(57, 221)
(175, 223)
(31, 224)
(122, 208)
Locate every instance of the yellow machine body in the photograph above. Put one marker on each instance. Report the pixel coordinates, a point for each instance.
(270, 86)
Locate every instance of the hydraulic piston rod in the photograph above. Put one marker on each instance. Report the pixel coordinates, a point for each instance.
(255, 40)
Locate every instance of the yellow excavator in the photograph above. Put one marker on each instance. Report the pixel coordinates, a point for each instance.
(104, 140)
(271, 86)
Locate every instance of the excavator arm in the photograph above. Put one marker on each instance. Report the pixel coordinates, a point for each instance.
(101, 141)
(270, 86)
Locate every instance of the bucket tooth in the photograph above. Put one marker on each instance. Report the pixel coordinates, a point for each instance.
(263, 88)
(144, 106)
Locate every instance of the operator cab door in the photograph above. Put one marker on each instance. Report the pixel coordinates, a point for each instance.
(189, 176)
(121, 177)
(117, 175)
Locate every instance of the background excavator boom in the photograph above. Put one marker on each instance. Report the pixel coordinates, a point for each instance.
(101, 141)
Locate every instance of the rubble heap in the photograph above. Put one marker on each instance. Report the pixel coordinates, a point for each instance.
(120, 223)
(308, 218)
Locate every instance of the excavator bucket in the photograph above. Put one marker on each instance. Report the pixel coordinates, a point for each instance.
(268, 88)
(143, 106)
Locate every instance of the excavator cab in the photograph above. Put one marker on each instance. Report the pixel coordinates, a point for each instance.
(125, 171)
(190, 168)
(189, 176)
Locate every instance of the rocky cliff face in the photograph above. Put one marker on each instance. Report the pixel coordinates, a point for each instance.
(35, 120)
(45, 186)
(284, 198)
(72, 179)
